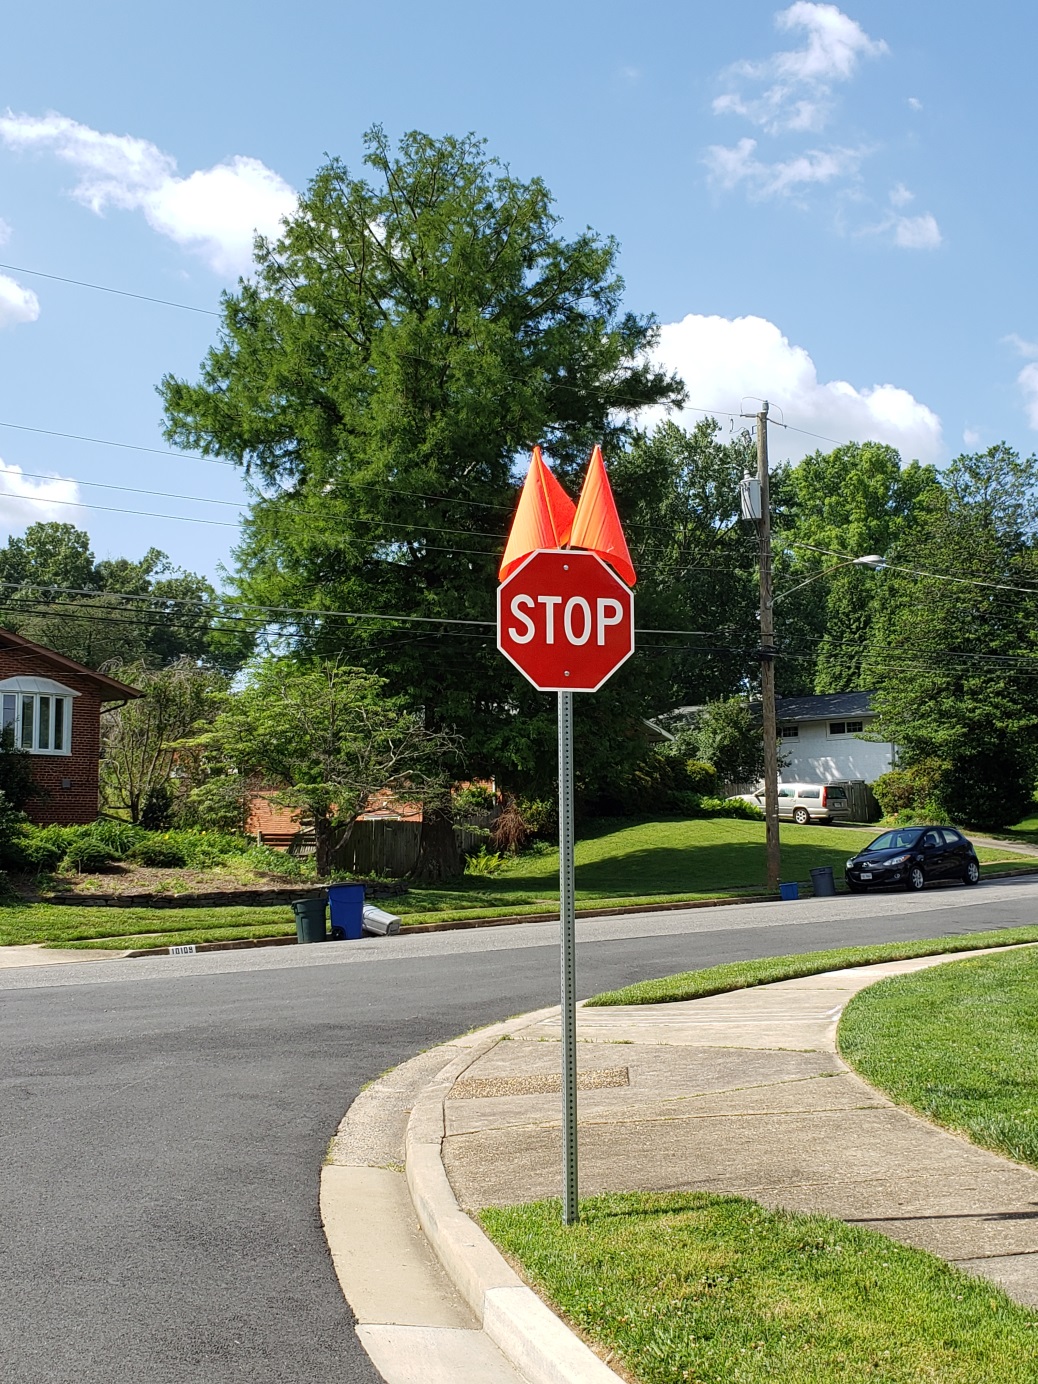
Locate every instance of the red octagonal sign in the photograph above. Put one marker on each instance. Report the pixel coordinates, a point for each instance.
(566, 620)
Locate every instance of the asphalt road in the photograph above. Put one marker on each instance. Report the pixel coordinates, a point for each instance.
(163, 1122)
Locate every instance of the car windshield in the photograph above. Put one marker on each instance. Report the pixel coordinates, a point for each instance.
(892, 840)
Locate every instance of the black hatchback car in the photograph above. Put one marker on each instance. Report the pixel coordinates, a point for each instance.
(911, 857)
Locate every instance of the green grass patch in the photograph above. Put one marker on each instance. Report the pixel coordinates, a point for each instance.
(957, 1044)
(664, 857)
(68, 925)
(709, 1289)
(742, 975)
(628, 863)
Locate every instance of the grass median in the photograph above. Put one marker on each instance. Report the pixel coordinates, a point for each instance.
(956, 1043)
(742, 975)
(690, 1288)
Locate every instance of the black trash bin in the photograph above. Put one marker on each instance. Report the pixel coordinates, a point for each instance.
(310, 924)
(822, 881)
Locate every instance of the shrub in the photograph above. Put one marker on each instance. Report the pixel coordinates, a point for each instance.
(700, 777)
(541, 816)
(34, 849)
(700, 805)
(510, 832)
(485, 863)
(473, 802)
(119, 837)
(87, 855)
(159, 853)
(895, 792)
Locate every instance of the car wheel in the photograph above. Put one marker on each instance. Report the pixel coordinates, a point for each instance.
(857, 888)
(916, 879)
(801, 816)
(971, 874)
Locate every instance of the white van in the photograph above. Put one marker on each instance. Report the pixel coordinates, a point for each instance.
(807, 802)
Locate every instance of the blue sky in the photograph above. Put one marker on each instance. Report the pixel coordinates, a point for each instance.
(832, 207)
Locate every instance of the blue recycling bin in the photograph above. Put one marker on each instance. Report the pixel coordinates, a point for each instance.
(788, 892)
(346, 905)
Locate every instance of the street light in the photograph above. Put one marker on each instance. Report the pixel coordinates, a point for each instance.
(872, 560)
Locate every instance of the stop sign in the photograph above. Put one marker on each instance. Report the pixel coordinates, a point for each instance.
(566, 620)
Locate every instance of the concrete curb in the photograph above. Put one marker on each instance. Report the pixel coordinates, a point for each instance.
(529, 1335)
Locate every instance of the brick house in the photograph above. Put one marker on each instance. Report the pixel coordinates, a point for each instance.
(53, 705)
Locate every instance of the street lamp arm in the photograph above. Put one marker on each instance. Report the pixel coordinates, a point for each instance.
(873, 560)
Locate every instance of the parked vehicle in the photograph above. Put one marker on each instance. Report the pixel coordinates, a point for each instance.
(911, 857)
(805, 802)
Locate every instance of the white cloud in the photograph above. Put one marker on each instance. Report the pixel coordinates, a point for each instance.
(5, 231)
(1023, 347)
(1028, 376)
(907, 232)
(725, 360)
(17, 304)
(970, 437)
(1028, 382)
(917, 232)
(914, 103)
(27, 501)
(729, 166)
(798, 94)
(213, 211)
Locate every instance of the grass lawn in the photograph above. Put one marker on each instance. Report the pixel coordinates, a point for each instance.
(706, 1289)
(666, 857)
(618, 863)
(742, 975)
(957, 1044)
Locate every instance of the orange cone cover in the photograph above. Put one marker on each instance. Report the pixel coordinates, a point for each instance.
(596, 524)
(543, 516)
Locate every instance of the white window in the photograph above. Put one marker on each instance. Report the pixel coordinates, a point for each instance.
(38, 713)
(845, 727)
(789, 732)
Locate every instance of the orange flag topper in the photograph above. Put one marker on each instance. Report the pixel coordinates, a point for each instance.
(596, 524)
(543, 517)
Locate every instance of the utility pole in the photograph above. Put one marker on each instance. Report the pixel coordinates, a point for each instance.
(767, 660)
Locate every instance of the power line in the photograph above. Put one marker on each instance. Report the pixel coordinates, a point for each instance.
(103, 288)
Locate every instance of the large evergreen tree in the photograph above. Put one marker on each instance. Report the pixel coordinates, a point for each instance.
(381, 379)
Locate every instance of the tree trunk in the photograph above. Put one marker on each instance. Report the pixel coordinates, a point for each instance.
(438, 856)
(329, 840)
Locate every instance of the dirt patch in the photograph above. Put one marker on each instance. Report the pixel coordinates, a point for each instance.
(142, 886)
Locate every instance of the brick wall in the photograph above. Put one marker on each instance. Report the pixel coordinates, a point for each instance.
(68, 783)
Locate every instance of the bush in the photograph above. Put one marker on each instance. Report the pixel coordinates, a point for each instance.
(700, 777)
(86, 854)
(473, 802)
(895, 792)
(701, 805)
(159, 853)
(35, 849)
(485, 863)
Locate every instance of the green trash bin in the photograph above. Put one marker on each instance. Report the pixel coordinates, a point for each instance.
(310, 924)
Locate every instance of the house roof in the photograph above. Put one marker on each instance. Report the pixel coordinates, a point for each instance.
(793, 710)
(111, 689)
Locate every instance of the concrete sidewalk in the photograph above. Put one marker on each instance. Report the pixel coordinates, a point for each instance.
(741, 1093)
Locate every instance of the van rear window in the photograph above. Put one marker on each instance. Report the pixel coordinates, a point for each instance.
(809, 792)
(837, 794)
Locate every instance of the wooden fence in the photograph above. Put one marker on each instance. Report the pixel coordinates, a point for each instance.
(385, 847)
